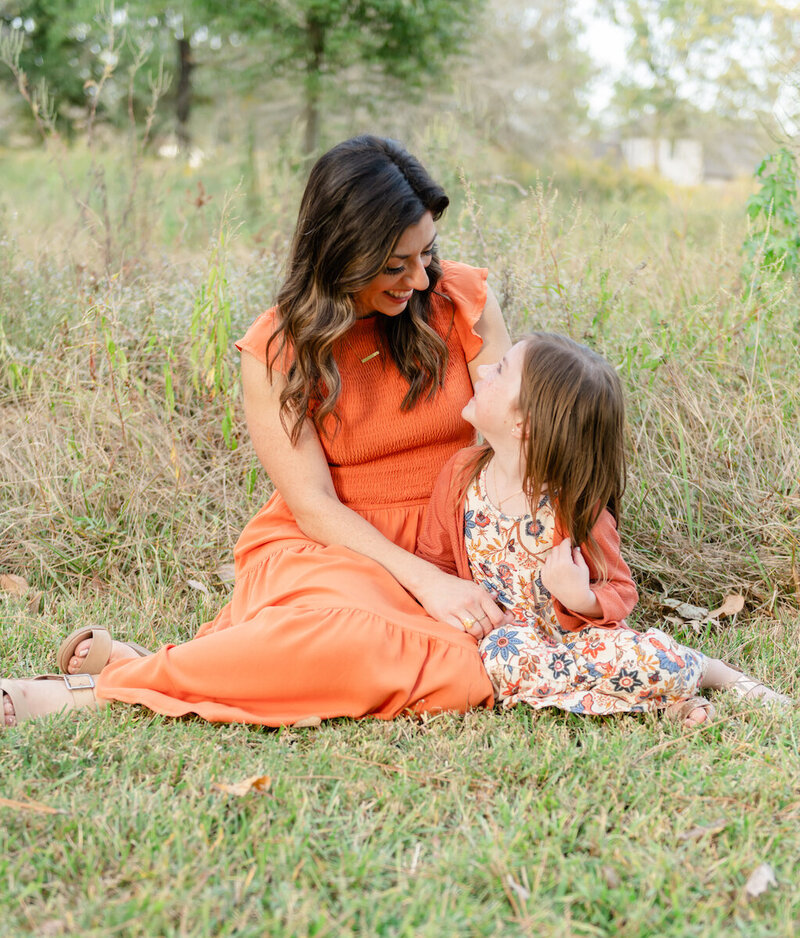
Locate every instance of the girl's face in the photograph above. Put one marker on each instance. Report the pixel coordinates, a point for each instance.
(405, 272)
(494, 408)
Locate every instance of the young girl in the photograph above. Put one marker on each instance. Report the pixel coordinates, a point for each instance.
(531, 516)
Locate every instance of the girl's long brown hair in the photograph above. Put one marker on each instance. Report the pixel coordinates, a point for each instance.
(360, 198)
(573, 418)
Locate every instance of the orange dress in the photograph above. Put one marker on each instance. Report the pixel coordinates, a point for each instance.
(315, 630)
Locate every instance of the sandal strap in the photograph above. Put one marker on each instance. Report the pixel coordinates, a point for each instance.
(81, 686)
(678, 710)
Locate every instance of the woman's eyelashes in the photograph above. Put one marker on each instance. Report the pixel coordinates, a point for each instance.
(394, 271)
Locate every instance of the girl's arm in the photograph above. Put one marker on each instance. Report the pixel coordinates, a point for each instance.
(580, 597)
(300, 473)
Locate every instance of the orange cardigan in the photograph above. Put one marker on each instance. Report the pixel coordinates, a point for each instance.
(441, 542)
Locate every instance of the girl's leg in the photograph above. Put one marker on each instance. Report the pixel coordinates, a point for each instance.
(720, 676)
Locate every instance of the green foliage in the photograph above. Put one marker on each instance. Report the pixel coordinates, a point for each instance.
(773, 242)
(318, 43)
(211, 340)
(322, 46)
(92, 55)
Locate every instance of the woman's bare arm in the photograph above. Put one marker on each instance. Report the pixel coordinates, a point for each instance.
(491, 327)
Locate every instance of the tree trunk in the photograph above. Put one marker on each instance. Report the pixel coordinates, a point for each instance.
(183, 103)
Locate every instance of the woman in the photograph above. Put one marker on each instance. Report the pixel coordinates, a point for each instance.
(353, 389)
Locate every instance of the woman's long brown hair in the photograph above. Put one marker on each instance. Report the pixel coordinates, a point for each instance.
(360, 198)
(573, 418)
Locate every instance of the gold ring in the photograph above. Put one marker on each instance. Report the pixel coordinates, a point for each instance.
(467, 623)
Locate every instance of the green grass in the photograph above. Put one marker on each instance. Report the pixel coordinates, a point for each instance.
(515, 823)
(117, 487)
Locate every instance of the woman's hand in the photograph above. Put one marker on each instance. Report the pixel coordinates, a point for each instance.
(566, 577)
(461, 603)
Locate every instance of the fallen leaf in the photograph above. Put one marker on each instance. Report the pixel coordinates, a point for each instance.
(254, 783)
(226, 572)
(694, 624)
(34, 603)
(684, 610)
(36, 806)
(761, 879)
(200, 587)
(731, 604)
(308, 723)
(11, 583)
(713, 827)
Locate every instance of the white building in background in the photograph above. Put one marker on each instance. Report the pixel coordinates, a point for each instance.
(680, 161)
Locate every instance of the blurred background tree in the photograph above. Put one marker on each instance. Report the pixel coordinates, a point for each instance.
(726, 57)
(526, 82)
(328, 49)
(519, 74)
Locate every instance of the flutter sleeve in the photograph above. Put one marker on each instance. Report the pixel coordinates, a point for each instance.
(255, 341)
(616, 593)
(466, 287)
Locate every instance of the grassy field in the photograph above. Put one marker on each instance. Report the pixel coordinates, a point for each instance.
(125, 477)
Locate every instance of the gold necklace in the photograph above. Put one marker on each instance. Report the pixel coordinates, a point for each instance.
(497, 490)
(366, 358)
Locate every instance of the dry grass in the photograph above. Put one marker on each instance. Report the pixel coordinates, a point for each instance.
(110, 476)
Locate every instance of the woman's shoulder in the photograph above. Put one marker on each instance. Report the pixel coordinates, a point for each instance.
(463, 281)
(258, 335)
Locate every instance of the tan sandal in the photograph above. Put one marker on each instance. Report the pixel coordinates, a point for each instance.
(77, 693)
(749, 688)
(678, 711)
(99, 650)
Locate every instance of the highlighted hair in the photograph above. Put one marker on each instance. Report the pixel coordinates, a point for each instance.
(360, 198)
(573, 418)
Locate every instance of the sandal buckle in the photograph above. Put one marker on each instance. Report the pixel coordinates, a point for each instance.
(68, 678)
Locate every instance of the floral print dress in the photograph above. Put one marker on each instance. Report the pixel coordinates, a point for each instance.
(595, 670)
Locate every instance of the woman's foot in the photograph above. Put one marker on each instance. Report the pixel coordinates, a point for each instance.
(89, 650)
(49, 693)
(9, 713)
(690, 712)
(119, 651)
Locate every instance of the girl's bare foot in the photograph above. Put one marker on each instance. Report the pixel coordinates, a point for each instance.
(690, 712)
(721, 676)
(119, 650)
(751, 689)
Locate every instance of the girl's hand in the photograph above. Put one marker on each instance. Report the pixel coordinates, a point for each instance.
(461, 603)
(566, 577)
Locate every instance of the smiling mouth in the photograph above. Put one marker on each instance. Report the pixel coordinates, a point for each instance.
(399, 296)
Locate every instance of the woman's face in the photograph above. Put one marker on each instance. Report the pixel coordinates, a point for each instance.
(494, 408)
(405, 272)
